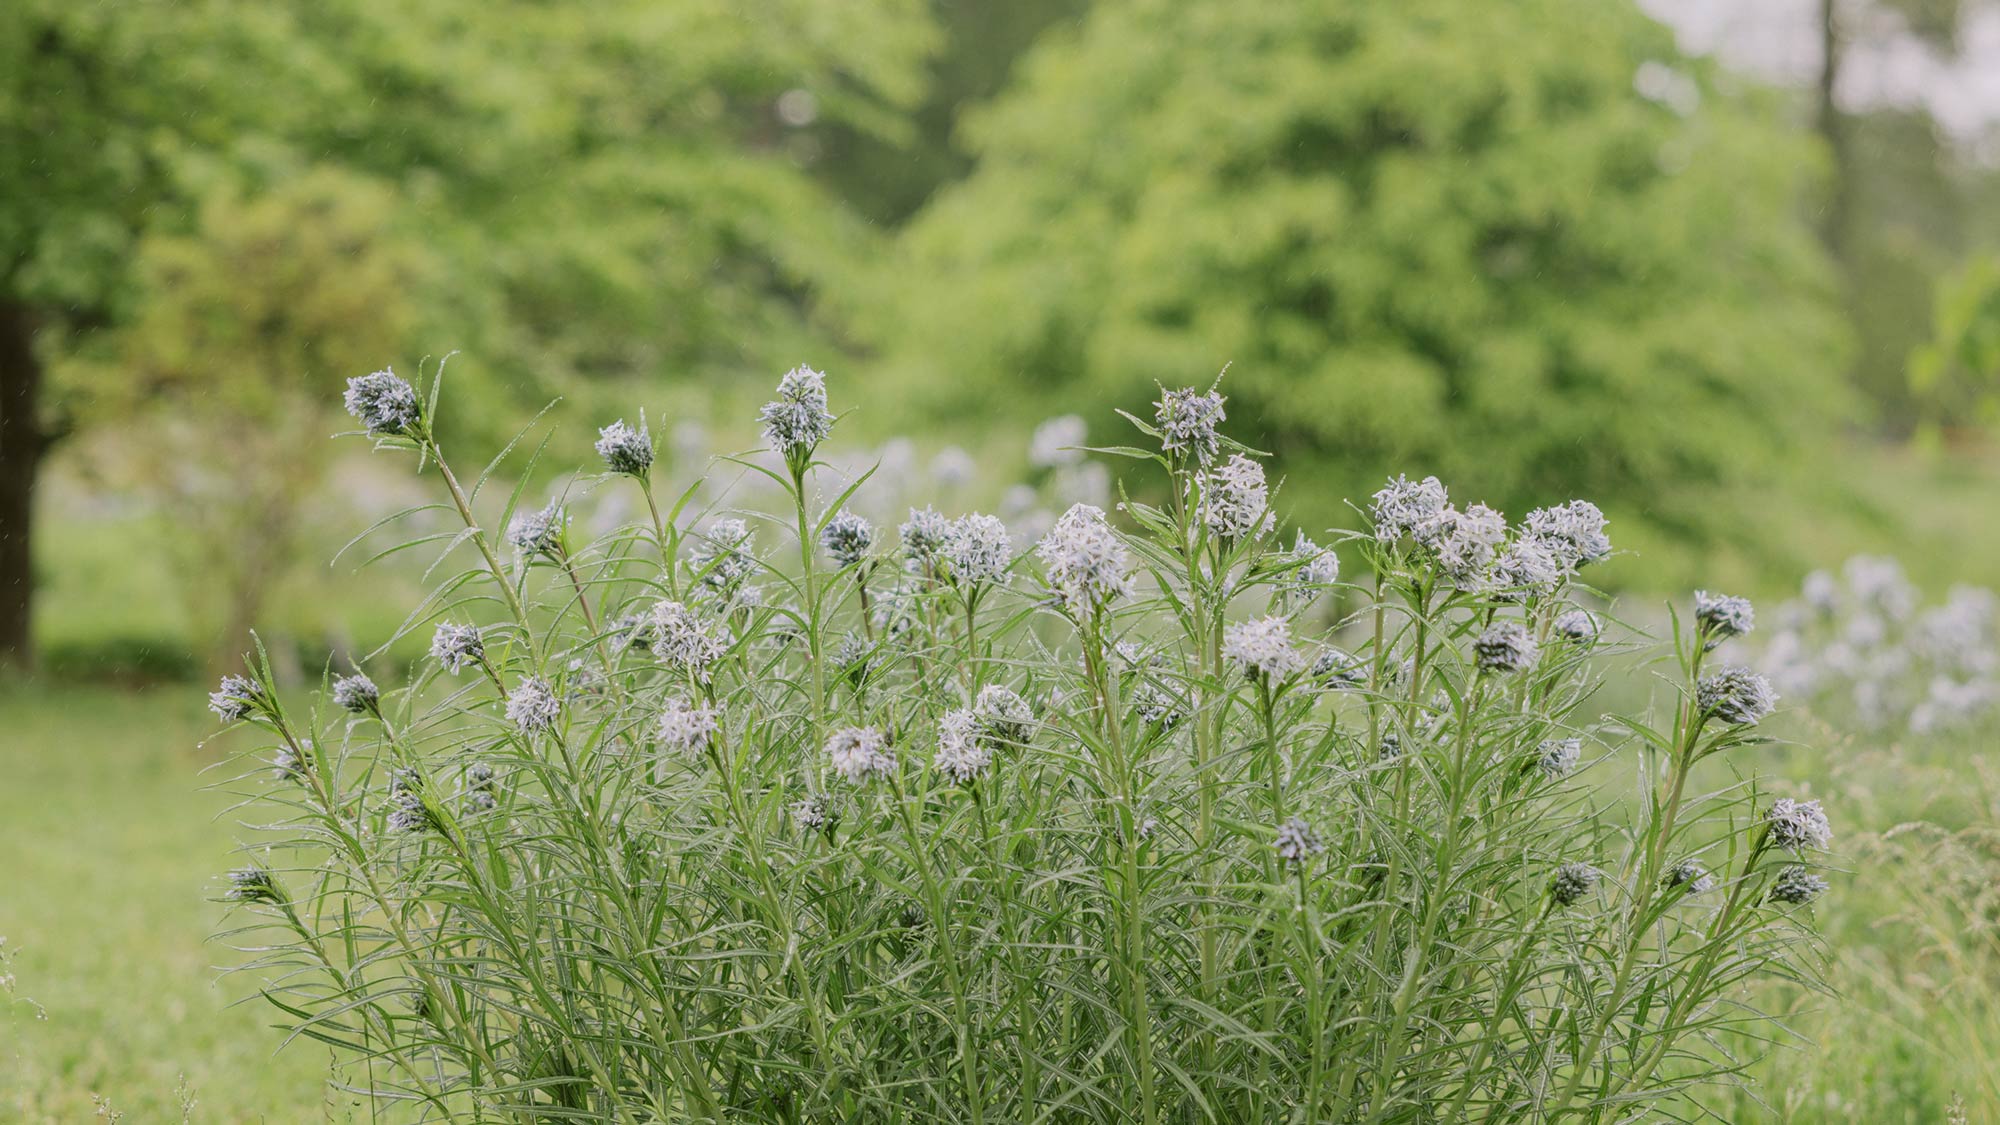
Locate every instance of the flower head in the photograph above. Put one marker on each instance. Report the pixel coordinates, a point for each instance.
(1796, 886)
(1085, 562)
(723, 553)
(1526, 567)
(976, 549)
(1297, 843)
(1798, 825)
(1578, 627)
(1312, 567)
(1413, 509)
(1187, 419)
(1572, 532)
(681, 639)
(815, 813)
(797, 420)
(624, 449)
(1691, 876)
(457, 647)
(686, 729)
(538, 533)
(408, 813)
(1262, 648)
(1338, 668)
(1506, 646)
(1736, 695)
(1156, 706)
(1572, 882)
(924, 535)
(859, 753)
(356, 693)
(855, 658)
(847, 537)
(1468, 543)
(1058, 441)
(1003, 715)
(287, 765)
(1720, 615)
(236, 698)
(1557, 757)
(1235, 501)
(254, 884)
(533, 706)
(963, 753)
(384, 404)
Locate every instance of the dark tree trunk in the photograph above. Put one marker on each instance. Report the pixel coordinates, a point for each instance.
(1831, 125)
(22, 444)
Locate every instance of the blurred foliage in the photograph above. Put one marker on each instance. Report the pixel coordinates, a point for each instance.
(606, 188)
(888, 176)
(1436, 237)
(1530, 248)
(231, 371)
(219, 210)
(1956, 373)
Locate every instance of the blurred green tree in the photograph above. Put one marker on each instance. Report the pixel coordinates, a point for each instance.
(888, 175)
(600, 190)
(1955, 374)
(1528, 247)
(223, 386)
(1902, 197)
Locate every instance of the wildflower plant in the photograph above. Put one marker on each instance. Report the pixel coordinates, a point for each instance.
(1158, 821)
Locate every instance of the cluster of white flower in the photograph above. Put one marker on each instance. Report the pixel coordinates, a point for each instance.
(1297, 843)
(963, 752)
(357, 693)
(1856, 648)
(679, 637)
(384, 404)
(1187, 419)
(1410, 509)
(1313, 567)
(538, 533)
(722, 554)
(1558, 757)
(860, 753)
(1798, 825)
(686, 729)
(1720, 616)
(1736, 695)
(1085, 561)
(977, 549)
(1472, 548)
(1235, 501)
(624, 449)
(847, 537)
(457, 647)
(798, 419)
(1262, 648)
(1506, 646)
(533, 706)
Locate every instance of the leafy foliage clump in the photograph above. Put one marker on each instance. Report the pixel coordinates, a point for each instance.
(1528, 246)
(725, 816)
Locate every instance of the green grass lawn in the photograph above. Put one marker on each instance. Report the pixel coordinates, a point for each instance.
(112, 856)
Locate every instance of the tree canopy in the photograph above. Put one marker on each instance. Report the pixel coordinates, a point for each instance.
(579, 191)
(1529, 248)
